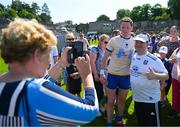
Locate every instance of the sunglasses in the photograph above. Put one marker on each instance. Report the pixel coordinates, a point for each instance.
(70, 39)
(105, 42)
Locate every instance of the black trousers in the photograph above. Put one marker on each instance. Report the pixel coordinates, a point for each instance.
(169, 82)
(148, 114)
(99, 90)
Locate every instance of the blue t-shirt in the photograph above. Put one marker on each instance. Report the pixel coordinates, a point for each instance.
(100, 55)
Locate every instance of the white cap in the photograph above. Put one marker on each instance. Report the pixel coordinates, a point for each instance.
(163, 49)
(142, 38)
(63, 29)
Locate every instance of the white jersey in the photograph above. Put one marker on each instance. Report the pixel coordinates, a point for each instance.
(122, 50)
(143, 89)
(175, 54)
(53, 53)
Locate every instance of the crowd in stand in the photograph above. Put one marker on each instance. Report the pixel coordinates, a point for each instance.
(147, 64)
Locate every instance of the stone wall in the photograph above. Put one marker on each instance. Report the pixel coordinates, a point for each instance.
(103, 26)
(145, 26)
(108, 26)
(155, 26)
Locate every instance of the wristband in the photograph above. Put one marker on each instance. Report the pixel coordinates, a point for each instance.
(102, 72)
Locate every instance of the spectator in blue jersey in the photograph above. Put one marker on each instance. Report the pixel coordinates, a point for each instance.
(29, 99)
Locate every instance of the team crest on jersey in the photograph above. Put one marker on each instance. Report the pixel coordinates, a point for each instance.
(135, 68)
(135, 71)
(145, 62)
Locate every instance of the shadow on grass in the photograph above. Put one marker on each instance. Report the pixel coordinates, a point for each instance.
(166, 121)
(130, 118)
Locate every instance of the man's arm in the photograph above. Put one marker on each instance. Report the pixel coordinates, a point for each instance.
(106, 56)
(151, 74)
(103, 66)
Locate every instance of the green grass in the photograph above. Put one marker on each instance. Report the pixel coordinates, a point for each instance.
(3, 66)
(130, 117)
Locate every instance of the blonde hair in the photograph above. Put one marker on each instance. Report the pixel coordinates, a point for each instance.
(70, 35)
(22, 37)
(127, 19)
(103, 37)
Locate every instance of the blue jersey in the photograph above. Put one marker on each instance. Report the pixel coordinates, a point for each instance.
(38, 102)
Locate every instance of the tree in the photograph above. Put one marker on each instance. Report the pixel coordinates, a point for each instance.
(45, 18)
(45, 14)
(35, 8)
(2, 6)
(156, 10)
(11, 13)
(69, 23)
(141, 13)
(17, 5)
(122, 13)
(26, 14)
(135, 14)
(45, 9)
(103, 18)
(173, 6)
(165, 14)
(159, 13)
(145, 12)
(2, 13)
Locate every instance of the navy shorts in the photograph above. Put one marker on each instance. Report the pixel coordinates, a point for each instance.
(116, 81)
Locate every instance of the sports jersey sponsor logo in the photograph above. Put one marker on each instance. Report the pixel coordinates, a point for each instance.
(145, 62)
(121, 53)
(152, 114)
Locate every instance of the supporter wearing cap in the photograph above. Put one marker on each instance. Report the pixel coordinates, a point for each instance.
(63, 29)
(145, 72)
(163, 49)
(142, 37)
(141, 43)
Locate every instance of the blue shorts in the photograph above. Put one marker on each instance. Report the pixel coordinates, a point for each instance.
(116, 81)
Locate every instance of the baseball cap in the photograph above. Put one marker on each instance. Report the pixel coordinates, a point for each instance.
(163, 49)
(63, 29)
(142, 38)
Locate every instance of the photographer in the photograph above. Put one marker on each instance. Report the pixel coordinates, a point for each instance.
(27, 99)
